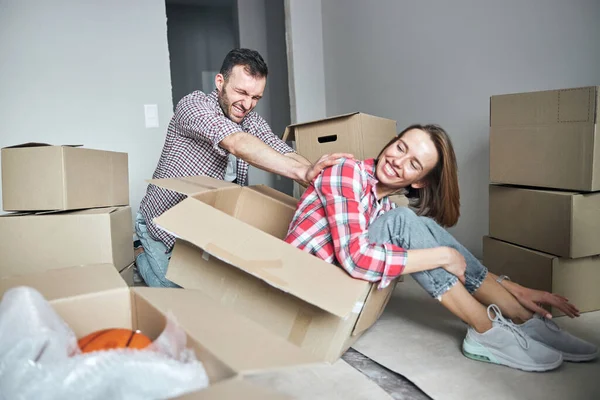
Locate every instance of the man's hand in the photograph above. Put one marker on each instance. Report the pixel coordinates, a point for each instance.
(326, 160)
(532, 300)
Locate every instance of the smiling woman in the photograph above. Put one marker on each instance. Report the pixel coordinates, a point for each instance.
(346, 217)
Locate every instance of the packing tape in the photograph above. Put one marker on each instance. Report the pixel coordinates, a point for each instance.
(254, 267)
(300, 327)
(205, 256)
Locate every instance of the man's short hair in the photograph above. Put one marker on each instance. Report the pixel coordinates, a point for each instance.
(251, 60)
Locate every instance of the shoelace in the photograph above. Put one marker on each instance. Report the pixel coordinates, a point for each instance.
(507, 324)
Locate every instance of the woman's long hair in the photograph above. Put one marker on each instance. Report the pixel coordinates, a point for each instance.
(440, 197)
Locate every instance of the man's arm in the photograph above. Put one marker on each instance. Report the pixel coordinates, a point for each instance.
(256, 153)
(298, 158)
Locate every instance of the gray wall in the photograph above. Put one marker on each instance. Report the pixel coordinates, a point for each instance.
(75, 72)
(440, 61)
(261, 26)
(199, 38)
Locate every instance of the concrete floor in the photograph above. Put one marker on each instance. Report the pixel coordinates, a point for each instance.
(396, 385)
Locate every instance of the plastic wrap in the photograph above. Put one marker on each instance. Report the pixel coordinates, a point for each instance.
(40, 359)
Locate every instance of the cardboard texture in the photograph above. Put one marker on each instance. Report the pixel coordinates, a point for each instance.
(576, 279)
(361, 134)
(228, 345)
(36, 242)
(546, 139)
(37, 176)
(127, 274)
(243, 263)
(560, 223)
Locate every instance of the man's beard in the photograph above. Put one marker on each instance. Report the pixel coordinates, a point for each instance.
(224, 102)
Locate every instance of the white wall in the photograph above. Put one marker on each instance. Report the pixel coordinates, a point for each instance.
(440, 61)
(81, 72)
(305, 59)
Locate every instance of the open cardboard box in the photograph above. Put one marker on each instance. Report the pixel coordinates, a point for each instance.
(230, 248)
(91, 298)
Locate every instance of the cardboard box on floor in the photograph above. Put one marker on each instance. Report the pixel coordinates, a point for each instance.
(32, 243)
(39, 177)
(546, 139)
(577, 279)
(230, 247)
(229, 345)
(555, 222)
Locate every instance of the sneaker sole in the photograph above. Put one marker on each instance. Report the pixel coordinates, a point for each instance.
(579, 357)
(477, 352)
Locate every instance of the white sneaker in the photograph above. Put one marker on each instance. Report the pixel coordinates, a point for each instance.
(546, 331)
(506, 344)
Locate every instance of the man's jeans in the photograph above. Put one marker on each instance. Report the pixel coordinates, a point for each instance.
(404, 228)
(153, 262)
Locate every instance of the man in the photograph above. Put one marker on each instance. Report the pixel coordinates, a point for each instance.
(218, 135)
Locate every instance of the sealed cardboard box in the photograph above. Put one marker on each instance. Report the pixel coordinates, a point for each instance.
(229, 345)
(546, 139)
(576, 279)
(556, 222)
(234, 253)
(38, 177)
(35, 242)
(361, 134)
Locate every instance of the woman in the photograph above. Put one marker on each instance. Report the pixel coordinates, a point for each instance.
(345, 217)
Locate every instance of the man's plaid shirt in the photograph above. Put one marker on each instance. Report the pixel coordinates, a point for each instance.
(192, 148)
(333, 218)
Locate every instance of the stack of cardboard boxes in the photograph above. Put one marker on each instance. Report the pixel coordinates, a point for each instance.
(544, 196)
(68, 206)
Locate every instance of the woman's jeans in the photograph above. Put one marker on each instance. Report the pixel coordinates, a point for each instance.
(402, 227)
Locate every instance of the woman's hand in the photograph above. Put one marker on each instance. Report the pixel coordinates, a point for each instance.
(456, 264)
(532, 300)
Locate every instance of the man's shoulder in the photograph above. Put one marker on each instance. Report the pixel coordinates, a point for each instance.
(197, 99)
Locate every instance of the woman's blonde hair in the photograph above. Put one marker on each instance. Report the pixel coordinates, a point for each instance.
(440, 197)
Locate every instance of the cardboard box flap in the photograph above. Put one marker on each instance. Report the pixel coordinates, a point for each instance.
(241, 343)
(290, 133)
(234, 389)
(275, 194)
(69, 281)
(36, 144)
(279, 264)
(190, 185)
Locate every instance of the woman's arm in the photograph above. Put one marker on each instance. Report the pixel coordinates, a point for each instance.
(531, 299)
(446, 257)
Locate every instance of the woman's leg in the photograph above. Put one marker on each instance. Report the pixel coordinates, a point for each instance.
(490, 337)
(410, 231)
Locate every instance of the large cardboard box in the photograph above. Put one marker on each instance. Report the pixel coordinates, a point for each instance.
(230, 247)
(229, 345)
(37, 177)
(546, 139)
(361, 134)
(577, 279)
(556, 222)
(35, 242)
